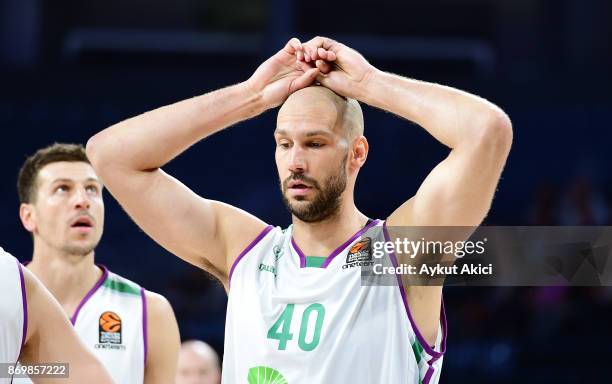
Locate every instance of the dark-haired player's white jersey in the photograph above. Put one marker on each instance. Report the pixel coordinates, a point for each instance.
(293, 318)
(13, 310)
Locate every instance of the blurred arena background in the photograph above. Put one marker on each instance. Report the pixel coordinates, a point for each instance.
(70, 68)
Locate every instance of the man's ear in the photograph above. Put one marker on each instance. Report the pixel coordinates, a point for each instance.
(27, 216)
(359, 152)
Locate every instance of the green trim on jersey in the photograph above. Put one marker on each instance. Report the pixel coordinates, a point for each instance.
(121, 286)
(418, 351)
(315, 261)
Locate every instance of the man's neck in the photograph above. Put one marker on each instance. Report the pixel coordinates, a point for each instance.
(322, 238)
(68, 277)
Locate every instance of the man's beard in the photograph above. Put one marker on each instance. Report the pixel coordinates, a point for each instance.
(326, 202)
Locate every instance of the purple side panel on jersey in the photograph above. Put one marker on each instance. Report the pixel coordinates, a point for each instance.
(435, 355)
(429, 373)
(24, 302)
(90, 293)
(261, 235)
(144, 325)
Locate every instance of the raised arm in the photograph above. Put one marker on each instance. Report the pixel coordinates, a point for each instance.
(459, 190)
(52, 339)
(128, 157)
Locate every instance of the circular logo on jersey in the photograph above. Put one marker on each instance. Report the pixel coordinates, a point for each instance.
(361, 251)
(110, 328)
(361, 245)
(110, 322)
(360, 254)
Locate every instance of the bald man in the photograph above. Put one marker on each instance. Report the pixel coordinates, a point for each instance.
(297, 311)
(198, 364)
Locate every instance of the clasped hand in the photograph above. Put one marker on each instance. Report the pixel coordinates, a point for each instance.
(299, 65)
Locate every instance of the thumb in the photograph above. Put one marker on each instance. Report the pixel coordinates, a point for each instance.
(306, 79)
(323, 66)
(323, 79)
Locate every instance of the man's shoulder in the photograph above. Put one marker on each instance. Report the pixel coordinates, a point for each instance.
(154, 303)
(266, 234)
(120, 284)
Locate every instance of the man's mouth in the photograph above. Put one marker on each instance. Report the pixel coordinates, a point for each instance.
(298, 189)
(297, 184)
(82, 222)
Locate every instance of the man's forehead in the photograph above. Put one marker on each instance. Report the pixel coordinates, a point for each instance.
(307, 121)
(309, 108)
(77, 171)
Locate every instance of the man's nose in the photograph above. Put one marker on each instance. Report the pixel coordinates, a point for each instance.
(81, 199)
(297, 163)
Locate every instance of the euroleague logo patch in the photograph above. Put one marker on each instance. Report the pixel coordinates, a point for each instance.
(110, 328)
(360, 254)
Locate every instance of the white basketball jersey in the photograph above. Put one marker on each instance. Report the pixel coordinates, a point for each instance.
(13, 310)
(111, 321)
(297, 319)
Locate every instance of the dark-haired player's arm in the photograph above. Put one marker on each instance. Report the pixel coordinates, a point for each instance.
(163, 341)
(459, 190)
(52, 339)
(128, 157)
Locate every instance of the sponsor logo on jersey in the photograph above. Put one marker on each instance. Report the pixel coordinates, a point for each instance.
(267, 268)
(360, 254)
(109, 331)
(265, 375)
